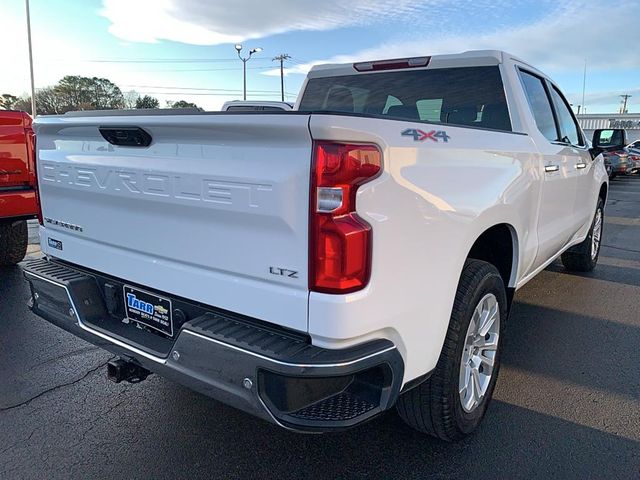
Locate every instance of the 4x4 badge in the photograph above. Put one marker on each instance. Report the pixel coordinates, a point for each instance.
(421, 135)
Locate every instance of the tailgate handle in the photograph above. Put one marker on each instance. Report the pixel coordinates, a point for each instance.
(126, 136)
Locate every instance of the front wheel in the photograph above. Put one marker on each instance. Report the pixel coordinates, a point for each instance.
(584, 256)
(14, 239)
(453, 401)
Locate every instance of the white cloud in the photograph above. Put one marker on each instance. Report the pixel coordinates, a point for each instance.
(607, 98)
(559, 42)
(46, 47)
(201, 22)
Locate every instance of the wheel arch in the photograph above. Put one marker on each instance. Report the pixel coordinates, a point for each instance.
(499, 246)
(604, 191)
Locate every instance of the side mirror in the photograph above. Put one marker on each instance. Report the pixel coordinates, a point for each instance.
(606, 140)
(609, 139)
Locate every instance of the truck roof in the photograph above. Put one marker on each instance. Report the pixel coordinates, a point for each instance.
(468, 58)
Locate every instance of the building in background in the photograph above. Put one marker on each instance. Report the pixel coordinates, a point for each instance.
(630, 122)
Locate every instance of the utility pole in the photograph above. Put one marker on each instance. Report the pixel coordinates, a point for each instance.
(33, 88)
(282, 57)
(624, 103)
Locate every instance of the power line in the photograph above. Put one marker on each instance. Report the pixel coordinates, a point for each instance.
(214, 94)
(196, 88)
(174, 70)
(165, 60)
(298, 62)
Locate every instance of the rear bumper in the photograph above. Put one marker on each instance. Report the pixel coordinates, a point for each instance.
(18, 203)
(257, 368)
(622, 168)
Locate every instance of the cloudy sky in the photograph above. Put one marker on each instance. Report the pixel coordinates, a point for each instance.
(184, 49)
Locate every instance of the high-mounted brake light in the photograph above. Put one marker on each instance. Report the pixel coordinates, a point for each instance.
(392, 64)
(339, 240)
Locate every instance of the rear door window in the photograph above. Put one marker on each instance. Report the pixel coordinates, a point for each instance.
(569, 131)
(540, 105)
(465, 96)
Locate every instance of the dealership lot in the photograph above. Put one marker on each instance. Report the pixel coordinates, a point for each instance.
(567, 403)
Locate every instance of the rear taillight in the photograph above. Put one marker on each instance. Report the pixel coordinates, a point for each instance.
(340, 241)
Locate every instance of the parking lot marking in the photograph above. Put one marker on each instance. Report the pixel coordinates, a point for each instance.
(624, 221)
(618, 262)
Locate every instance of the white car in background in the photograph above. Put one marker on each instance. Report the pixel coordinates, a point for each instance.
(255, 106)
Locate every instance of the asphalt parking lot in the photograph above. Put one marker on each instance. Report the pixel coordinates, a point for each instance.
(567, 403)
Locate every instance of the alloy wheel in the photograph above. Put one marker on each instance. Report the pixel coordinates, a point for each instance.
(479, 353)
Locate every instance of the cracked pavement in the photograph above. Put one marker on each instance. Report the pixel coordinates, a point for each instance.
(567, 403)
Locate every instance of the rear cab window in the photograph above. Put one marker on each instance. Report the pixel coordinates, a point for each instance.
(461, 96)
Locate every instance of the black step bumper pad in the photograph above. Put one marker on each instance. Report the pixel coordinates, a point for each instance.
(272, 373)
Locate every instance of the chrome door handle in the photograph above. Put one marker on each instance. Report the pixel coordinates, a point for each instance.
(551, 168)
(581, 165)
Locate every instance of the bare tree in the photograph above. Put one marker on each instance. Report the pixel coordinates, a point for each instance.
(46, 99)
(131, 98)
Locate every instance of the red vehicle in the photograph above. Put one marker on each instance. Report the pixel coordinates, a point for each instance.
(18, 190)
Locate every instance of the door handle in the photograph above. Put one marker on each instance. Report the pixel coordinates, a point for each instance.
(551, 168)
(581, 165)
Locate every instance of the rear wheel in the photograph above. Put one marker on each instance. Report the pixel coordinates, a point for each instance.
(453, 401)
(14, 238)
(584, 256)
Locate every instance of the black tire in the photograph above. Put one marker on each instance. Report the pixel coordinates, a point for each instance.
(579, 258)
(14, 239)
(435, 407)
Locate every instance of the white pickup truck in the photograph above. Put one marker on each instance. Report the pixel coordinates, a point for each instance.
(319, 266)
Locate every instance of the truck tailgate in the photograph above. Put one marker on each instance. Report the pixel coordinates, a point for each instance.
(215, 210)
(15, 168)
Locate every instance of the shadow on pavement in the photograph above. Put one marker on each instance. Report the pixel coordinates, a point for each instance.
(593, 352)
(214, 440)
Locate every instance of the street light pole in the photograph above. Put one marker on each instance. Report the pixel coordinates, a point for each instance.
(33, 88)
(244, 79)
(244, 65)
(584, 83)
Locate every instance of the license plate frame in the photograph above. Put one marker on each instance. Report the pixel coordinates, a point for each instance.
(148, 309)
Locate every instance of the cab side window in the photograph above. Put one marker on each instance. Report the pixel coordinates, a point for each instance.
(540, 105)
(569, 131)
